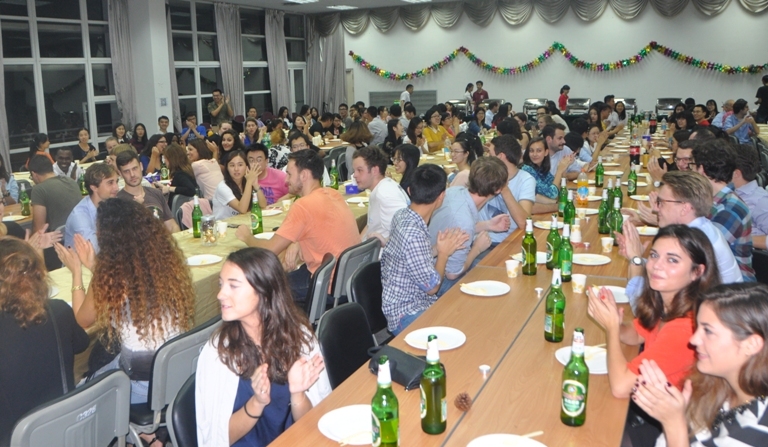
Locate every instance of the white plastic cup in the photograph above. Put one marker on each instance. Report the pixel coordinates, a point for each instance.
(221, 228)
(592, 190)
(625, 217)
(607, 244)
(286, 205)
(578, 282)
(513, 266)
(581, 213)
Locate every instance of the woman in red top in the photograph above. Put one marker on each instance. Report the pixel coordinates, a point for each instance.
(562, 102)
(681, 265)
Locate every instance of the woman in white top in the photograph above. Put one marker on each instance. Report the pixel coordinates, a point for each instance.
(207, 170)
(468, 98)
(233, 194)
(262, 370)
(724, 401)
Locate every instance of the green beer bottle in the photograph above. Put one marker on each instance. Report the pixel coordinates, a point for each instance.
(573, 406)
(602, 214)
(81, 183)
(554, 319)
(570, 210)
(562, 198)
(24, 201)
(257, 224)
(334, 174)
(197, 215)
(164, 173)
(565, 254)
(615, 220)
(599, 173)
(529, 249)
(434, 407)
(385, 413)
(632, 181)
(553, 244)
(617, 191)
(610, 193)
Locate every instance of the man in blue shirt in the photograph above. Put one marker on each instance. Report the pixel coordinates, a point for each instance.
(756, 198)
(741, 124)
(101, 182)
(192, 130)
(554, 136)
(461, 209)
(410, 278)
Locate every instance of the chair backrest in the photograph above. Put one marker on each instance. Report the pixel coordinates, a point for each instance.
(175, 361)
(344, 337)
(182, 426)
(365, 290)
(760, 264)
(179, 216)
(318, 288)
(333, 154)
(343, 173)
(90, 416)
(349, 261)
(179, 200)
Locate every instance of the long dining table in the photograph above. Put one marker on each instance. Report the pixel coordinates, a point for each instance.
(521, 392)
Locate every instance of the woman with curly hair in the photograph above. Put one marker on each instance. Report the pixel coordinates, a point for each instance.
(30, 372)
(262, 369)
(141, 289)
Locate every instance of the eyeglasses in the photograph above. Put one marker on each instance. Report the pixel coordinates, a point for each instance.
(396, 160)
(684, 160)
(660, 201)
(457, 152)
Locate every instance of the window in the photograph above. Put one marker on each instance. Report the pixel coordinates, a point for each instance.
(58, 71)
(294, 38)
(195, 55)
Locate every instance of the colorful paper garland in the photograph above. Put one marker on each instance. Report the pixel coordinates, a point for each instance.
(576, 62)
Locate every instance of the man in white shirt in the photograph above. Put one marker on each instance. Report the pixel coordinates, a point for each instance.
(378, 125)
(406, 95)
(493, 109)
(387, 197)
(719, 119)
(64, 165)
(409, 112)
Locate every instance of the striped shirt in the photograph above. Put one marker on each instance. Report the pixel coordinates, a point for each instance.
(745, 429)
(732, 217)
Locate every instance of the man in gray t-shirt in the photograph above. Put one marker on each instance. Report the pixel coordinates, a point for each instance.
(53, 197)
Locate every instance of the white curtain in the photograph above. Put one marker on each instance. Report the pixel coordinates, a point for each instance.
(326, 86)
(277, 55)
(231, 54)
(514, 12)
(174, 84)
(5, 143)
(122, 71)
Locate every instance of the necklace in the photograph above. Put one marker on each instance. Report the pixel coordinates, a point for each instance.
(728, 417)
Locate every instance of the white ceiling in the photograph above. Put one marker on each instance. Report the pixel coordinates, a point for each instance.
(321, 6)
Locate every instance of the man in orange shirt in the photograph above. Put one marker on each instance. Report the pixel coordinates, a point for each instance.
(319, 222)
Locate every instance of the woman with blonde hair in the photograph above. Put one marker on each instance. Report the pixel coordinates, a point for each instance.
(33, 330)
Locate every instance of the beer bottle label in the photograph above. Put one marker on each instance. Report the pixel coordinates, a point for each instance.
(566, 267)
(443, 410)
(423, 403)
(574, 397)
(548, 324)
(525, 259)
(632, 185)
(254, 222)
(550, 251)
(375, 430)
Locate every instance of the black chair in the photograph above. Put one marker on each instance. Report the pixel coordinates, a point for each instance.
(183, 426)
(760, 264)
(349, 261)
(366, 289)
(344, 337)
(317, 293)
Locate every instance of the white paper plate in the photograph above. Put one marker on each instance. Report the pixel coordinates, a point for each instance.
(620, 151)
(271, 212)
(610, 165)
(341, 423)
(541, 257)
(358, 200)
(504, 440)
(546, 224)
(53, 292)
(591, 182)
(588, 211)
(614, 173)
(626, 146)
(486, 288)
(268, 235)
(596, 358)
(594, 198)
(648, 231)
(639, 184)
(14, 218)
(590, 259)
(447, 337)
(203, 260)
(640, 197)
(430, 157)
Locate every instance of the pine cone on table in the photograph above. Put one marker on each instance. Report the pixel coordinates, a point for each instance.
(463, 402)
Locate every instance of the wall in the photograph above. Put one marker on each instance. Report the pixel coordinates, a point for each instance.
(727, 38)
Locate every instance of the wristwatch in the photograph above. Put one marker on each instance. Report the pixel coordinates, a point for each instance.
(656, 184)
(638, 261)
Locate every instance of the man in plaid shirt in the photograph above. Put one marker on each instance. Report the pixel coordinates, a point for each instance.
(715, 160)
(410, 277)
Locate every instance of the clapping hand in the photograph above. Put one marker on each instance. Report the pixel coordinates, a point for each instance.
(42, 240)
(655, 169)
(450, 240)
(603, 309)
(629, 241)
(565, 162)
(659, 398)
(499, 223)
(304, 373)
(85, 251)
(482, 242)
(261, 385)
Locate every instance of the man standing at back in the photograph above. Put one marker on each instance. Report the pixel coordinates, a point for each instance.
(101, 182)
(762, 102)
(53, 197)
(715, 160)
(406, 95)
(319, 222)
(479, 96)
(220, 109)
